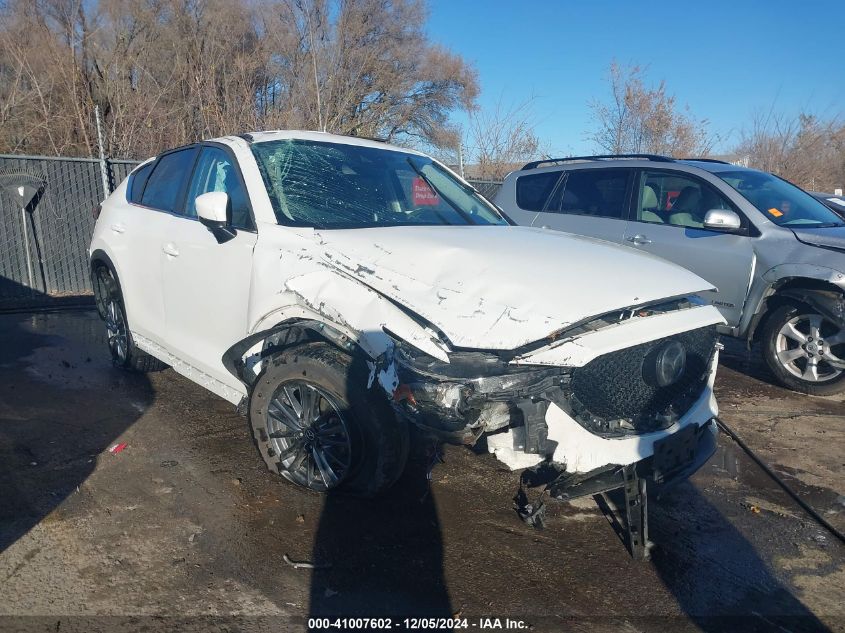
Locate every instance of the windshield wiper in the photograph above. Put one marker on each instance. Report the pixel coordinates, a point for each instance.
(448, 200)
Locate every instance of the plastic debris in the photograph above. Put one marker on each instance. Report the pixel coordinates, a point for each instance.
(117, 448)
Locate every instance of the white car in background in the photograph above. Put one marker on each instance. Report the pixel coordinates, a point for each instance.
(340, 289)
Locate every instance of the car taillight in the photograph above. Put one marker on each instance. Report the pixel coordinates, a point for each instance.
(96, 211)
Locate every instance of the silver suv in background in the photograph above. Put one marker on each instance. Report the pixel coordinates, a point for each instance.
(775, 254)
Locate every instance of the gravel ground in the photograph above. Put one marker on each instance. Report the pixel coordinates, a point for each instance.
(186, 529)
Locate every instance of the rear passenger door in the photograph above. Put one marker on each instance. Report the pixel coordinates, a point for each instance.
(207, 282)
(591, 202)
(139, 231)
(668, 221)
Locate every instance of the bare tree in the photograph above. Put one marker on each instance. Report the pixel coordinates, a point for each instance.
(641, 119)
(501, 139)
(167, 72)
(806, 149)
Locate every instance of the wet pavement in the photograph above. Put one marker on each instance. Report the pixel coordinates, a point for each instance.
(186, 528)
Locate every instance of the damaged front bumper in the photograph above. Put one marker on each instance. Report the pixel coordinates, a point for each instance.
(584, 424)
(676, 458)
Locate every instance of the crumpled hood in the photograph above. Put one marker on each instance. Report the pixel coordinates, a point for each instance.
(831, 237)
(501, 287)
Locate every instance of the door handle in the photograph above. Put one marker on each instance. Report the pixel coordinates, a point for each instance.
(639, 240)
(170, 249)
(118, 228)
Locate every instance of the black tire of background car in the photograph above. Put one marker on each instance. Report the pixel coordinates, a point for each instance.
(380, 439)
(136, 359)
(774, 322)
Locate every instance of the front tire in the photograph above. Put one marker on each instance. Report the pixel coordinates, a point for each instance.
(805, 351)
(316, 424)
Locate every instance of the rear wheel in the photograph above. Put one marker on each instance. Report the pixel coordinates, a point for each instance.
(317, 425)
(122, 348)
(805, 350)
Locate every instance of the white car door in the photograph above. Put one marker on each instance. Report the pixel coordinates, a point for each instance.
(137, 228)
(206, 276)
(591, 202)
(668, 221)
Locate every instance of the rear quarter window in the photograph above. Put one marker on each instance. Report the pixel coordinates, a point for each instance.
(533, 191)
(136, 183)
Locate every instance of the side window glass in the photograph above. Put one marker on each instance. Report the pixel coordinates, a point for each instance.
(675, 199)
(533, 191)
(596, 192)
(137, 182)
(165, 183)
(216, 172)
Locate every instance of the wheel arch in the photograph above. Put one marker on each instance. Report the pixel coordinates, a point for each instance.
(286, 334)
(99, 258)
(819, 294)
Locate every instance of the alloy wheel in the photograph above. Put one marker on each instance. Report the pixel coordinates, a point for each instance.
(309, 435)
(118, 336)
(812, 348)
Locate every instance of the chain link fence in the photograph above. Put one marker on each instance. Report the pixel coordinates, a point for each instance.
(46, 221)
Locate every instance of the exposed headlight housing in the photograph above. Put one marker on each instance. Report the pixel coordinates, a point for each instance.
(665, 365)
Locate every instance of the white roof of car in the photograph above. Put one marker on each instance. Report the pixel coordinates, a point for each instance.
(325, 137)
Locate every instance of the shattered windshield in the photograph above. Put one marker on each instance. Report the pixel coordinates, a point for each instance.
(336, 186)
(780, 201)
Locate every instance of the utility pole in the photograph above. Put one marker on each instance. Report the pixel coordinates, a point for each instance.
(461, 157)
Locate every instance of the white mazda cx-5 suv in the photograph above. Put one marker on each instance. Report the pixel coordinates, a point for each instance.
(340, 290)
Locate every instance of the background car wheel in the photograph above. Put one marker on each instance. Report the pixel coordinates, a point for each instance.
(123, 351)
(805, 350)
(317, 424)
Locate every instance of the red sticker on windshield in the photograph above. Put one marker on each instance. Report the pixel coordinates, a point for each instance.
(422, 194)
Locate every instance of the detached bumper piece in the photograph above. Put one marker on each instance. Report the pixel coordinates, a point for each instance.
(675, 459)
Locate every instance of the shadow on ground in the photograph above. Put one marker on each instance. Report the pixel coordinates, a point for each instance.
(386, 555)
(55, 422)
(719, 578)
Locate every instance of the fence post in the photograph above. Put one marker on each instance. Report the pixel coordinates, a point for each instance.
(103, 167)
(21, 192)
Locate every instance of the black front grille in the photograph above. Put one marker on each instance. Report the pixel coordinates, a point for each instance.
(612, 393)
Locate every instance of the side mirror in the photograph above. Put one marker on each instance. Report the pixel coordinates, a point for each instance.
(211, 209)
(718, 220)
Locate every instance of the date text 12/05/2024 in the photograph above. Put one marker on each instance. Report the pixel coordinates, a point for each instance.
(417, 624)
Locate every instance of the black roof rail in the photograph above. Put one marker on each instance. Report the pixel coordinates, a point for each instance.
(708, 160)
(654, 157)
(377, 139)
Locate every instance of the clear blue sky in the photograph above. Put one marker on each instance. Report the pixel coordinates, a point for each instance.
(726, 60)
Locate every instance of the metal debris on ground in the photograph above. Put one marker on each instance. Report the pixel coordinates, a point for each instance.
(436, 458)
(533, 514)
(304, 564)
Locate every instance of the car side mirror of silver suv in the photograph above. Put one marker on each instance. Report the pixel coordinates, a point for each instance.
(714, 219)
